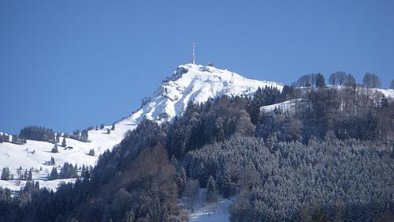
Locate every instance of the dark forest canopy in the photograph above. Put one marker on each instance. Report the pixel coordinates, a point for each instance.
(329, 158)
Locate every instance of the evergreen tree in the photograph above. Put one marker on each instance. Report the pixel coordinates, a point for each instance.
(227, 186)
(68, 171)
(30, 175)
(91, 152)
(64, 142)
(180, 179)
(55, 149)
(288, 93)
(320, 82)
(211, 190)
(52, 162)
(384, 102)
(84, 135)
(38, 133)
(54, 174)
(85, 172)
(5, 173)
(271, 140)
(25, 175)
(57, 137)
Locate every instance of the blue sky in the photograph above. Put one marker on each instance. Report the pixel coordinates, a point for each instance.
(72, 64)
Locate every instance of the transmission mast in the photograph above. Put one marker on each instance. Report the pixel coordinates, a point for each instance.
(194, 55)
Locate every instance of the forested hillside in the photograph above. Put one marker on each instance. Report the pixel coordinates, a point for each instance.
(325, 154)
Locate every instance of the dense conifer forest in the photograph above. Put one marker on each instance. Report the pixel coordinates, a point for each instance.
(327, 157)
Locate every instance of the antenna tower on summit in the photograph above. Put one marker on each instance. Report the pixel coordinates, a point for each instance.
(194, 55)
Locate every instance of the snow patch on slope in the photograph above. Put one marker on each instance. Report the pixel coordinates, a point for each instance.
(17, 185)
(286, 106)
(200, 210)
(387, 92)
(215, 212)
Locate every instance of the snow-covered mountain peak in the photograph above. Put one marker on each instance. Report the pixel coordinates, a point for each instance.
(205, 72)
(196, 84)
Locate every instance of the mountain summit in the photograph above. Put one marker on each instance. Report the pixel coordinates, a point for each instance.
(190, 83)
(196, 84)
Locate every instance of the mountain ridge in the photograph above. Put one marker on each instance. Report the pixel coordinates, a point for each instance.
(196, 83)
(189, 83)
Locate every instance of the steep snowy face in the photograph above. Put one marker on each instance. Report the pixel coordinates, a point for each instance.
(195, 84)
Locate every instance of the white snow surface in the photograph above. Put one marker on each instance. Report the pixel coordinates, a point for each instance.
(196, 83)
(213, 212)
(189, 83)
(202, 211)
(291, 105)
(16, 185)
(286, 106)
(387, 92)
